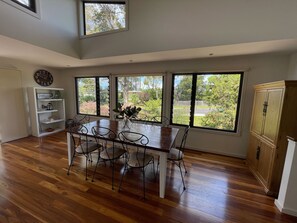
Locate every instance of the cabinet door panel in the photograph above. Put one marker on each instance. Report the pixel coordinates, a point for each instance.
(257, 119)
(271, 124)
(252, 152)
(265, 162)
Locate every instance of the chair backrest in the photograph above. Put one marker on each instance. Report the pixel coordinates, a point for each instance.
(103, 135)
(162, 119)
(184, 139)
(77, 120)
(79, 135)
(137, 141)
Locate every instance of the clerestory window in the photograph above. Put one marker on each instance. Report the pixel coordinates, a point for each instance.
(28, 4)
(104, 16)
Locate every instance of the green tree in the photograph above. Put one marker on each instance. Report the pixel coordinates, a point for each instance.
(102, 17)
(221, 94)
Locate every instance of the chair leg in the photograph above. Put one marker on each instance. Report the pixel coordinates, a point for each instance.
(181, 173)
(87, 167)
(112, 177)
(125, 169)
(71, 163)
(143, 183)
(95, 168)
(184, 166)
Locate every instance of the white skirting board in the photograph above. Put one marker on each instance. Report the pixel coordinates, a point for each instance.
(286, 201)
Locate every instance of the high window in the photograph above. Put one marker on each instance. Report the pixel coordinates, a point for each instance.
(92, 95)
(104, 16)
(29, 4)
(207, 100)
(145, 92)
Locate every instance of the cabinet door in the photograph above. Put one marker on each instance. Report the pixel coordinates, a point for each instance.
(258, 118)
(274, 107)
(265, 162)
(252, 152)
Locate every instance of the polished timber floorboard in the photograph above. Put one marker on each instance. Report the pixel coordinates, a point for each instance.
(34, 187)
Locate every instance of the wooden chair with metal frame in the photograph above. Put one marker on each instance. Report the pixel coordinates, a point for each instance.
(82, 145)
(136, 145)
(176, 155)
(161, 119)
(109, 151)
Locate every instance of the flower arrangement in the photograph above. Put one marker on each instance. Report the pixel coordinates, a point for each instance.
(128, 111)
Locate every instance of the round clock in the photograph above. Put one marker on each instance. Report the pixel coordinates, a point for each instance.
(43, 78)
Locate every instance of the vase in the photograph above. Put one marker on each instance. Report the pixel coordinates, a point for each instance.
(127, 123)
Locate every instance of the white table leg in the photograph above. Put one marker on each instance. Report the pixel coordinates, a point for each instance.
(69, 147)
(163, 170)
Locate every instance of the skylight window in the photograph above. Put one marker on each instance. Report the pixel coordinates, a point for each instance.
(104, 16)
(29, 4)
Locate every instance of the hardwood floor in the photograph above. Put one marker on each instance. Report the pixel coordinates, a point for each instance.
(34, 187)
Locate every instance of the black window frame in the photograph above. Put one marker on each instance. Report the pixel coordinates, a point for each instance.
(139, 75)
(97, 93)
(123, 2)
(31, 7)
(193, 96)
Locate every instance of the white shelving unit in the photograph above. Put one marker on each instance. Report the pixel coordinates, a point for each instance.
(47, 110)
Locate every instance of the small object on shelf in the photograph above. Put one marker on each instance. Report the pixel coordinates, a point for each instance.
(49, 129)
(44, 95)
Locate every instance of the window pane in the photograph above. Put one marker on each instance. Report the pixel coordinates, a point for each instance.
(104, 17)
(24, 2)
(217, 101)
(182, 99)
(104, 96)
(141, 91)
(86, 95)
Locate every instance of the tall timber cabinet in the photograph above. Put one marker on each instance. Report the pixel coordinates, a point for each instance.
(274, 117)
(47, 110)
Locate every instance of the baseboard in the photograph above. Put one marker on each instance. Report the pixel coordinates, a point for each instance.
(216, 152)
(285, 210)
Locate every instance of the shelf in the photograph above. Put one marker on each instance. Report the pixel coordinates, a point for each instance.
(46, 111)
(48, 133)
(53, 121)
(49, 99)
(43, 121)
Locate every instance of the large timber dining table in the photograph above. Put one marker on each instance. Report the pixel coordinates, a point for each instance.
(161, 139)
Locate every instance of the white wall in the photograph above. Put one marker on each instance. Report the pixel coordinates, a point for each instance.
(159, 25)
(55, 30)
(27, 80)
(292, 70)
(259, 69)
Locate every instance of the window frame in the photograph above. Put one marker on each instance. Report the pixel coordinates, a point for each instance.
(34, 10)
(83, 21)
(97, 93)
(32, 4)
(193, 96)
(143, 75)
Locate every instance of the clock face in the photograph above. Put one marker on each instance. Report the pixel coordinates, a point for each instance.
(43, 78)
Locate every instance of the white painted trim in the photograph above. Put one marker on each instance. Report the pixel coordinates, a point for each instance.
(28, 11)
(215, 152)
(285, 210)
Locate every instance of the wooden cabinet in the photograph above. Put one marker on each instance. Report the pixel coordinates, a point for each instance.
(274, 118)
(47, 110)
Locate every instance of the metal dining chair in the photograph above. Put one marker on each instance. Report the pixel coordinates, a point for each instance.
(82, 145)
(176, 154)
(136, 145)
(109, 151)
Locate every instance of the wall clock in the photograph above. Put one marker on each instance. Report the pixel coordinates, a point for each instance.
(43, 77)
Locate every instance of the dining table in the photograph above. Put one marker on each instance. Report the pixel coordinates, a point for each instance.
(161, 139)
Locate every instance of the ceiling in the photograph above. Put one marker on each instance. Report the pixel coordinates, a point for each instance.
(14, 49)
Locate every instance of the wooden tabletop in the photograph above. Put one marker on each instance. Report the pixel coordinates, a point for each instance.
(160, 138)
